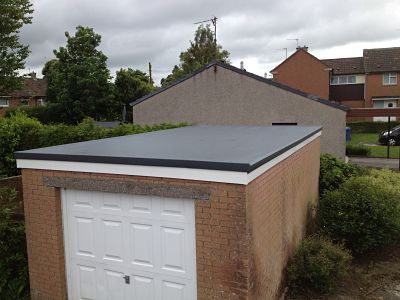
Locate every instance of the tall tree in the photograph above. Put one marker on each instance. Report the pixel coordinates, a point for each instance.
(131, 85)
(202, 51)
(13, 15)
(80, 79)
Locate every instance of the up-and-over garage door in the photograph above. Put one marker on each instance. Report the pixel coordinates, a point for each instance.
(122, 246)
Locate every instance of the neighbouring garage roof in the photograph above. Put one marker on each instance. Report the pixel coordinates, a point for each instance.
(250, 75)
(228, 148)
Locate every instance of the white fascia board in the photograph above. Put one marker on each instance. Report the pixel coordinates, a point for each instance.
(165, 172)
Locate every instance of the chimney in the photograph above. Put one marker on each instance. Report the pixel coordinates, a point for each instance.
(242, 65)
(305, 48)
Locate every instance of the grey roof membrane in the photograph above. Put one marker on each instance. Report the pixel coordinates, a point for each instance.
(230, 148)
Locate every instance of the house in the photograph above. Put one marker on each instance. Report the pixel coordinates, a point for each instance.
(369, 81)
(32, 93)
(222, 94)
(200, 212)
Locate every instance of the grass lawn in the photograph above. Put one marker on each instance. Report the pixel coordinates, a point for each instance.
(372, 138)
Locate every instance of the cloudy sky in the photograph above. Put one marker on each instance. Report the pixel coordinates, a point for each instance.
(254, 31)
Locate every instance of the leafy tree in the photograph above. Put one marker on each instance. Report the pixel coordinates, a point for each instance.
(201, 51)
(13, 15)
(80, 80)
(131, 85)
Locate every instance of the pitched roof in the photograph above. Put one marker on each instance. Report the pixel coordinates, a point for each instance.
(248, 74)
(382, 59)
(31, 87)
(299, 50)
(350, 65)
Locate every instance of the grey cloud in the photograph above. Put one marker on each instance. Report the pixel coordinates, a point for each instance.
(135, 32)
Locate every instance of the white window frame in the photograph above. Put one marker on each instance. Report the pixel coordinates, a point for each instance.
(390, 76)
(7, 101)
(345, 81)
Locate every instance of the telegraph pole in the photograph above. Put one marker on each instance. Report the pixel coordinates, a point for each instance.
(214, 22)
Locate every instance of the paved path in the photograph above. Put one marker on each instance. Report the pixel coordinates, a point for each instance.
(392, 163)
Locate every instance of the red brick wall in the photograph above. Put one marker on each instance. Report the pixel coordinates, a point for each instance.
(221, 241)
(304, 72)
(375, 87)
(278, 205)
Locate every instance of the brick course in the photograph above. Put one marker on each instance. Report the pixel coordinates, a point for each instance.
(244, 234)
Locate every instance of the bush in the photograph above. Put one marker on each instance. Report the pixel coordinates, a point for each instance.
(334, 172)
(357, 150)
(19, 132)
(316, 266)
(363, 213)
(14, 278)
(370, 127)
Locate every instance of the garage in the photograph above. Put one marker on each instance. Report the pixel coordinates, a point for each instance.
(198, 212)
(124, 246)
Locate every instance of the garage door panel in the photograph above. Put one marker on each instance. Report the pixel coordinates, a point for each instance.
(141, 206)
(173, 249)
(115, 286)
(173, 291)
(142, 245)
(86, 282)
(143, 287)
(81, 200)
(110, 202)
(176, 210)
(83, 236)
(112, 237)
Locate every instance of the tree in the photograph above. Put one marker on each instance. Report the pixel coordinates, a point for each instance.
(80, 80)
(202, 51)
(131, 85)
(13, 15)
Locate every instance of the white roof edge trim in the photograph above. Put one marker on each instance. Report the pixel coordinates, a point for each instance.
(166, 172)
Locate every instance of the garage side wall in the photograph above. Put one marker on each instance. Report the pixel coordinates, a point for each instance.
(278, 211)
(222, 242)
(225, 97)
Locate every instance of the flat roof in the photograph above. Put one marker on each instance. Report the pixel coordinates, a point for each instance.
(214, 147)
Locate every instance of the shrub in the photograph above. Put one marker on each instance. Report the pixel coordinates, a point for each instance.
(370, 127)
(316, 266)
(357, 150)
(334, 172)
(363, 213)
(14, 279)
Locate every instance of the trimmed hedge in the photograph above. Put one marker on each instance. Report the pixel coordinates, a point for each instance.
(19, 132)
(364, 212)
(357, 150)
(370, 127)
(316, 266)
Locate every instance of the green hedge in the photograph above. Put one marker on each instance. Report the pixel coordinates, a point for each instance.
(364, 212)
(14, 278)
(357, 150)
(316, 266)
(370, 127)
(19, 132)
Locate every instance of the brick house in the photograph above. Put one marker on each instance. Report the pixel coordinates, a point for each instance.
(32, 93)
(369, 81)
(200, 212)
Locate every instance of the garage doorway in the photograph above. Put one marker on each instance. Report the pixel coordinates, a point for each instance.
(123, 246)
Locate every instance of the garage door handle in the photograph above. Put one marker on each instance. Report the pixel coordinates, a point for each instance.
(127, 279)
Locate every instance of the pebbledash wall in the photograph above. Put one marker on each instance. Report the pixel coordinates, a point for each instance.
(244, 233)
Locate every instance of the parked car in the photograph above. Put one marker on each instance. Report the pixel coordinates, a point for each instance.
(393, 137)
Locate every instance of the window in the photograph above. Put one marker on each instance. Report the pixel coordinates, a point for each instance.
(343, 79)
(389, 78)
(24, 101)
(4, 102)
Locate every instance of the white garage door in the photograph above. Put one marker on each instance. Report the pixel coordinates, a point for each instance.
(121, 246)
